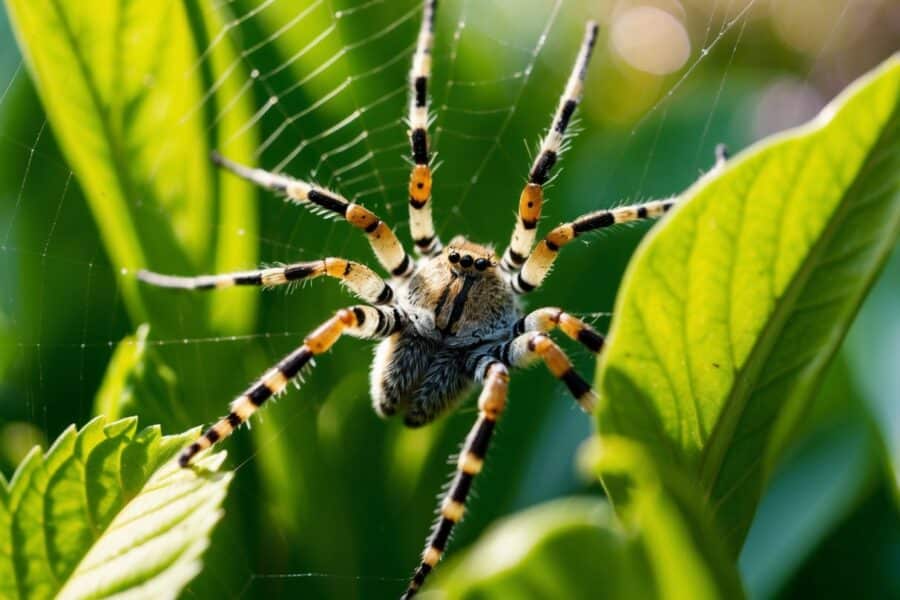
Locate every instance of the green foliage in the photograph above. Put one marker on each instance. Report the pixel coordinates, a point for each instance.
(152, 196)
(729, 315)
(731, 310)
(107, 511)
(570, 548)
(577, 549)
(328, 487)
(137, 380)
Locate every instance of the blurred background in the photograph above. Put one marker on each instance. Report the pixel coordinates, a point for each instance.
(328, 500)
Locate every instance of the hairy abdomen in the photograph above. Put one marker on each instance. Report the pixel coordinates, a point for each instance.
(416, 377)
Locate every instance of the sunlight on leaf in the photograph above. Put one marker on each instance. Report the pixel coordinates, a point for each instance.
(112, 78)
(732, 309)
(107, 511)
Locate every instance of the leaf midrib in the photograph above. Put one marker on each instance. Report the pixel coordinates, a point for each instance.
(124, 222)
(114, 526)
(715, 449)
(94, 93)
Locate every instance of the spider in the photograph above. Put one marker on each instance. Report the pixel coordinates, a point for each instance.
(446, 320)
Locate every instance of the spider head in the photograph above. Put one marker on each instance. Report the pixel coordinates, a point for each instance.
(467, 258)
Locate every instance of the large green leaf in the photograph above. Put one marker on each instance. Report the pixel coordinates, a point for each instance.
(570, 548)
(576, 548)
(732, 308)
(113, 78)
(107, 511)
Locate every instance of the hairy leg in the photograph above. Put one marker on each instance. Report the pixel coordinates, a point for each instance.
(357, 277)
(366, 322)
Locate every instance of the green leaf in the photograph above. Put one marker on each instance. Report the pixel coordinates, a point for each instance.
(112, 79)
(874, 340)
(732, 309)
(817, 486)
(570, 548)
(683, 546)
(107, 511)
(576, 548)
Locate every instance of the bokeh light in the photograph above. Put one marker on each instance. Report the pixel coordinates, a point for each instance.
(650, 39)
(786, 102)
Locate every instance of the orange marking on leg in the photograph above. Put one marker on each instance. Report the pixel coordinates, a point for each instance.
(530, 202)
(420, 185)
(560, 236)
(554, 358)
(336, 267)
(492, 400)
(360, 217)
(327, 334)
(570, 325)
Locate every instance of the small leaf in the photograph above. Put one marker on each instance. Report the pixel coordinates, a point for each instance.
(107, 511)
(732, 309)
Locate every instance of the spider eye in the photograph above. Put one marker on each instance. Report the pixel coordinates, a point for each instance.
(465, 262)
(453, 257)
(482, 263)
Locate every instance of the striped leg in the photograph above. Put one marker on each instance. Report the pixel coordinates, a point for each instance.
(544, 320)
(421, 225)
(384, 243)
(541, 258)
(531, 346)
(357, 277)
(532, 197)
(359, 321)
(490, 405)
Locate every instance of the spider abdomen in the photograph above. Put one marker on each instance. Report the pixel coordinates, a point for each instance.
(417, 377)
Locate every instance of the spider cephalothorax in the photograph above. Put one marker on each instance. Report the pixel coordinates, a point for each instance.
(447, 320)
(459, 297)
(454, 302)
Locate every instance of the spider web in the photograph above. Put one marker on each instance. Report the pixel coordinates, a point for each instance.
(326, 86)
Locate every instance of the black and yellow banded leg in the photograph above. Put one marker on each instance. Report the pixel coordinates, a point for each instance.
(384, 243)
(491, 403)
(546, 319)
(357, 277)
(541, 259)
(421, 224)
(366, 322)
(532, 197)
(531, 346)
